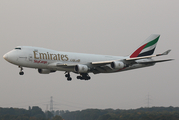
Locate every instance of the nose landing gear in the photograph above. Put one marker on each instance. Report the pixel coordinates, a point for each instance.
(21, 72)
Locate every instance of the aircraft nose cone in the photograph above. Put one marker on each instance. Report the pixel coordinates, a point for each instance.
(5, 56)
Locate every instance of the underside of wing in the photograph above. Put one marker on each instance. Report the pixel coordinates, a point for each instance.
(101, 69)
(62, 65)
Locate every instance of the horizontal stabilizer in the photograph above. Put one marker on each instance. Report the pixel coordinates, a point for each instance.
(150, 62)
(165, 53)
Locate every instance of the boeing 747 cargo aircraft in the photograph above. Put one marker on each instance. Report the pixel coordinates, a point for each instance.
(49, 61)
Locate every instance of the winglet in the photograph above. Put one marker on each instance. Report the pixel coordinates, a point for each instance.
(165, 53)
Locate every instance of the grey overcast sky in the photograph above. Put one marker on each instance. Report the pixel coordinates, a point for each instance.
(109, 27)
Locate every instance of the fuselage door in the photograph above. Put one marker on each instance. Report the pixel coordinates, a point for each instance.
(30, 58)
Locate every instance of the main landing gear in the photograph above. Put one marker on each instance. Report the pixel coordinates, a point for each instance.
(21, 72)
(84, 76)
(67, 75)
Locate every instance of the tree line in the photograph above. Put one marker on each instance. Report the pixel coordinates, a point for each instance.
(36, 113)
(154, 113)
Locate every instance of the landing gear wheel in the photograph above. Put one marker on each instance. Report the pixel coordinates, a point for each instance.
(69, 79)
(78, 77)
(21, 73)
(84, 77)
(67, 75)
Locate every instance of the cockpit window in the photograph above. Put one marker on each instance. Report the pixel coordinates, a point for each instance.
(18, 48)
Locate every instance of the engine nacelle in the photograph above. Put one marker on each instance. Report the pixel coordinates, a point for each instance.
(117, 65)
(81, 68)
(45, 71)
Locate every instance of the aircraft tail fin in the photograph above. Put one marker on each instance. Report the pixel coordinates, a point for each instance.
(147, 47)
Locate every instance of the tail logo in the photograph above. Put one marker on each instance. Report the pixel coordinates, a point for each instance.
(146, 48)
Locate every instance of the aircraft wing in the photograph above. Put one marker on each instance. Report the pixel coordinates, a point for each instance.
(101, 63)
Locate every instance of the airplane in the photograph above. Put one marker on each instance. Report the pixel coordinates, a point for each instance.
(49, 61)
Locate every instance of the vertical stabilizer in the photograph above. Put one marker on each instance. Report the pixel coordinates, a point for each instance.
(147, 47)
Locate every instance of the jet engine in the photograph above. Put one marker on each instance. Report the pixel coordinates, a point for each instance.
(45, 71)
(81, 68)
(117, 65)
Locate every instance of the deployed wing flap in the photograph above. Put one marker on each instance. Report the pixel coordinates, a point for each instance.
(100, 63)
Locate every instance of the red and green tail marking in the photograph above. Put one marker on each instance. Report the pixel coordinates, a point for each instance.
(147, 48)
